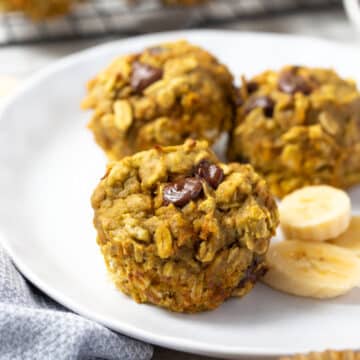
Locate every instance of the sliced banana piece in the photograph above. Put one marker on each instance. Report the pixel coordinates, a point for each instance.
(318, 270)
(350, 239)
(315, 213)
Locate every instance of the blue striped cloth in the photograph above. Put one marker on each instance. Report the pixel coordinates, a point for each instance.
(32, 326)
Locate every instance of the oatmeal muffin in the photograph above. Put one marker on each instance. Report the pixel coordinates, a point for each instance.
(180, 230)
(38, 9)
(161, 96)
(297, 127)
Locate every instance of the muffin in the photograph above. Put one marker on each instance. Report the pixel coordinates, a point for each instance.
(38, 9)
(161, 96)
(181, 230)
(298, 127)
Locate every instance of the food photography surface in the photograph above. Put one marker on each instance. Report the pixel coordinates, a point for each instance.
(195, 190)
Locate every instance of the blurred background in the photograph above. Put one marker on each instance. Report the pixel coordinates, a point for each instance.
(32, 37)
(99, 18)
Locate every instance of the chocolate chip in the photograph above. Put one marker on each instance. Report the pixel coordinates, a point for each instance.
(211, 173)
(144, 75)
(263, 102)
(295, 68)
(252, 86)
(242, 159)
(182, 191)
(291, 83)
(255, 271)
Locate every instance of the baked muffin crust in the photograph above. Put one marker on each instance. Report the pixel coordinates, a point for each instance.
(161, 96)
(298, 127)
(181, 230)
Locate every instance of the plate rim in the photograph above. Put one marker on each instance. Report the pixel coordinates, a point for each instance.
(186, 345)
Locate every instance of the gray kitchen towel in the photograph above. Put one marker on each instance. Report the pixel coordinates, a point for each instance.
(33, 327)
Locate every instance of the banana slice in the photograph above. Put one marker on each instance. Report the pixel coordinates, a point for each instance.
(318, 270)
(350, 239)
(315, 213)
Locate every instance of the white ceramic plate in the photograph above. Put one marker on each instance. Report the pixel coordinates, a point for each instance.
(50, 165)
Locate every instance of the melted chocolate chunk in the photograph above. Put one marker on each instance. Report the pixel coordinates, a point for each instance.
(254, 272)
(263, 102)
(182, 191)
(252, 86)
(144, 75)
(211, 173)
(291, 83)
(242, 159)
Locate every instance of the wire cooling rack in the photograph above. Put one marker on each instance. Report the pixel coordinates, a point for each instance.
(112, 17)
